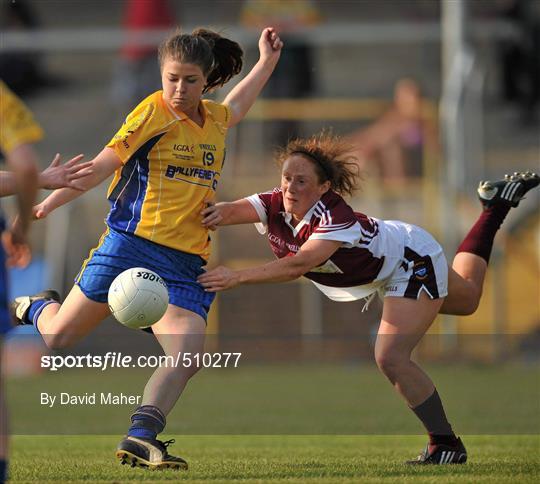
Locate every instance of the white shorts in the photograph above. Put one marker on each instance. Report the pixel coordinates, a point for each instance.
(423, 268)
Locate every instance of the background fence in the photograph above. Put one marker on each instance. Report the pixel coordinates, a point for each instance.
(359, 51)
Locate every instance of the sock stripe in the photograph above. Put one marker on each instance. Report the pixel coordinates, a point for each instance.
(39, 310)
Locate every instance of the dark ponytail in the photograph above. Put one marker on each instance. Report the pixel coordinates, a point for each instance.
(227, 58)
(219, 58)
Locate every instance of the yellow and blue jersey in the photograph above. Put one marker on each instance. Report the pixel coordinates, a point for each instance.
(17, 125)
(170, 166)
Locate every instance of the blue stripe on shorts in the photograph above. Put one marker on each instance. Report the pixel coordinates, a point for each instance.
(119, 251)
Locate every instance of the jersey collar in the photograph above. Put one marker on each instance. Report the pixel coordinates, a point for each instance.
(287, 217)
(179, 115)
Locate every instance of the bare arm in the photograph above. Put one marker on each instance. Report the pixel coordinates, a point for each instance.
(244, 94)
(310, 255)
(19, 158)
(103, 166)
(229, 213)
(8, 186)
(58, 175)
(22, 162)
(54, 176)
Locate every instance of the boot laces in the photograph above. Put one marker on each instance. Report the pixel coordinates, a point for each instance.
(168, 442)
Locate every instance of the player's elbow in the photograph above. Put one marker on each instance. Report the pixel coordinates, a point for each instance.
(91, 181)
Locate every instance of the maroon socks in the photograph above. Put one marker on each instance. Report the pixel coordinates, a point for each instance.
(432, 415)
(479, 240)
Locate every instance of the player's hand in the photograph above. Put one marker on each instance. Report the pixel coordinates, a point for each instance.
(212, 215)
(219, 279)
(67, 175)
(270, 45)
(40, 211)
(18, 253)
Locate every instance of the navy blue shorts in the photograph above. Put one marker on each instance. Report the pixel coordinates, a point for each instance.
(118, 251)
(5, 319)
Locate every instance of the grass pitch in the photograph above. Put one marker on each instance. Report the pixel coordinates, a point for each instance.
(278, 459)
(293, 420)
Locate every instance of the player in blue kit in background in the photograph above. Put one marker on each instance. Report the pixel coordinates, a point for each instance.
(167, 160)
(18, 131)
(23, 181)
(350, 256)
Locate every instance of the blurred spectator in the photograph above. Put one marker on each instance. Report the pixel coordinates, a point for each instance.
(520, 57)
(136, 75)
(395, 143)
(21, 71)
(293, 77)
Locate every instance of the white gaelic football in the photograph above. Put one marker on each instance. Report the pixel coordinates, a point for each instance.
(138, 298)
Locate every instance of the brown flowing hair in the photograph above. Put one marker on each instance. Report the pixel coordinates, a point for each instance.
(331, 156)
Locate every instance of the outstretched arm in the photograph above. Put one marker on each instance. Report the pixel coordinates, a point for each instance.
(22, 162)
(229, 213)
(58, 175)
(244, 94)
(103, 166)
(54, 176)
(310, 255)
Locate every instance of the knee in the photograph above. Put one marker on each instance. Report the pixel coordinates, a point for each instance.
(390, 363)
(184, 372)
(463, 299)
(469, 304)
(468, 309)
(193, 370)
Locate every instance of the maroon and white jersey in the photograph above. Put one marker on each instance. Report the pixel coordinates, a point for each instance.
(371, 249)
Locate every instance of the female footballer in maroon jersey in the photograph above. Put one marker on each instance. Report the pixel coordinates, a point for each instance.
(349, 256)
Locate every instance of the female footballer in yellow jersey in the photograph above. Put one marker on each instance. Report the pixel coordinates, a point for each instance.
(167, 160)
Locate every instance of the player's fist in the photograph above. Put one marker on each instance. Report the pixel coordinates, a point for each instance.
(218, 279)
(40, 211)
(18, 253)
(211, 215)
(270, 45)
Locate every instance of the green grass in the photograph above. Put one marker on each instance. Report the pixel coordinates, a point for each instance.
(288, 400)
(284, 423)
(276, 459)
